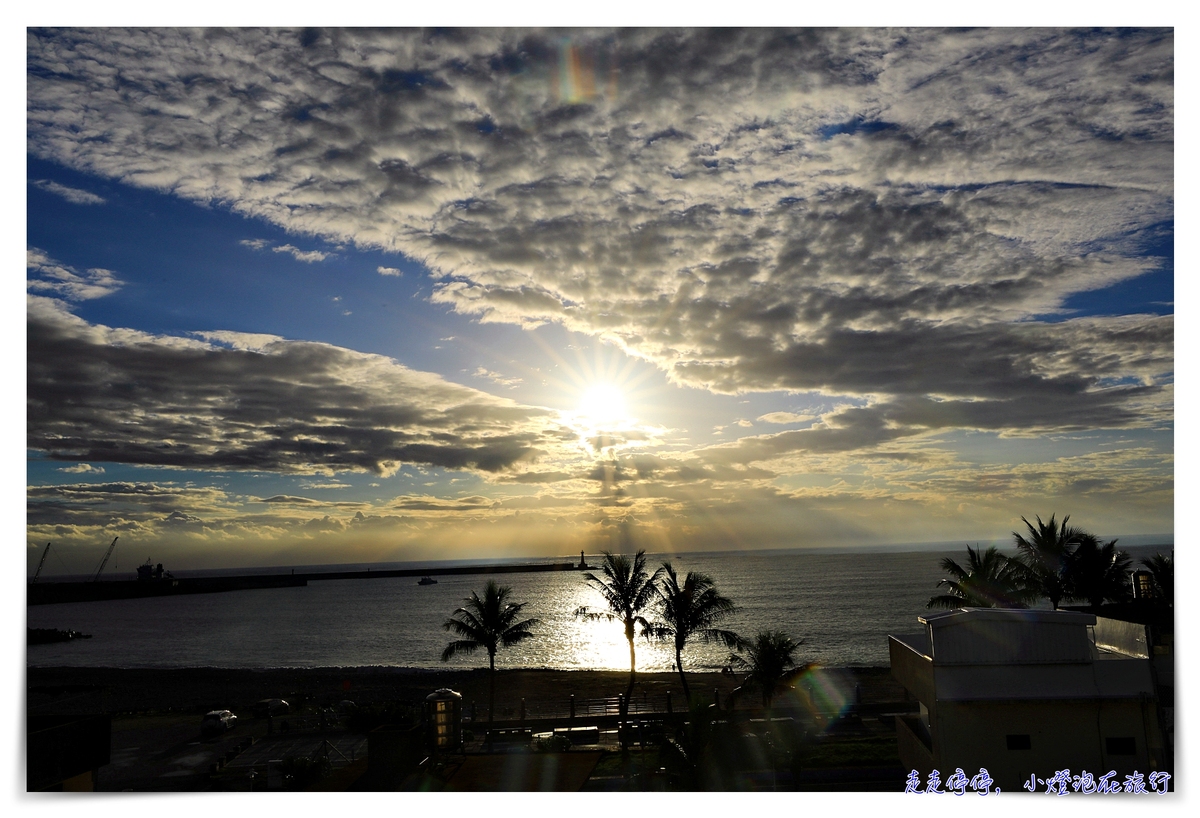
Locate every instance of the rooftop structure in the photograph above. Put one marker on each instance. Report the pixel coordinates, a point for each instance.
(1025, 692)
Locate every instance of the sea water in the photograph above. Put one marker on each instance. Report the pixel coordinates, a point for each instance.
(840, 606)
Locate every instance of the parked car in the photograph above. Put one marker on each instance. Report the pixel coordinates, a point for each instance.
(217, 721)
(271, 707)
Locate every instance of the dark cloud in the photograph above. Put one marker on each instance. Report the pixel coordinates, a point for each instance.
(436, 504)
(539, 477)
(1022, 361)
(107, 395)
(118, 503)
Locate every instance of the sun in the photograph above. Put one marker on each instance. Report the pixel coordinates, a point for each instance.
(602, 403)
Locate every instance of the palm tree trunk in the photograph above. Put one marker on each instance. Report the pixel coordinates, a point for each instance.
(687, 695)
(623, 711)
(629, 689)
(491, 695)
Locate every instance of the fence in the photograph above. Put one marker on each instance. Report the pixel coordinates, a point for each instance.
(583, 708)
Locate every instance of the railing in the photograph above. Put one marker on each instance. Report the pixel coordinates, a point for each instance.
(582, 708)
(610, 706)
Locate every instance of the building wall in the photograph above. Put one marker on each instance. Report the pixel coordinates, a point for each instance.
(1062, 735)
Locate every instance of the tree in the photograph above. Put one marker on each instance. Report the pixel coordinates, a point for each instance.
(1098, 572)
(770, 664)
(1162, 568)
(990, 580)
(628, 589)
(692, 609)
(1044, 557)
(490, 622)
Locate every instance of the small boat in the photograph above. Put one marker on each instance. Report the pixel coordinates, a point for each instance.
(427, 581)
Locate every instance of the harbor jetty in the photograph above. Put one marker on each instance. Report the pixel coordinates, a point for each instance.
(48, 592)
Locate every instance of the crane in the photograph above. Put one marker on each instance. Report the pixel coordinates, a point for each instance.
(45, 554)
(104, 561)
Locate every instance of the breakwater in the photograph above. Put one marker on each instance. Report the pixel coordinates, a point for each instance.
(48, 593)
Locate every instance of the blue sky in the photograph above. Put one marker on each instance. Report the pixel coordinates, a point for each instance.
(385, 295)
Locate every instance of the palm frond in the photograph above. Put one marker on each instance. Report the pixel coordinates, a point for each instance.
(518, 632)
(461, 646)
(989, 580)
(728, 638)
(487, 622)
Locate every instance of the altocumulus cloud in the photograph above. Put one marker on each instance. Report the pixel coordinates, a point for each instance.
(883, 214)
(111, 395)
(48, 275)
(307, 256)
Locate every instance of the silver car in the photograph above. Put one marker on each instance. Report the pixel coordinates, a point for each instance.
(217, 721)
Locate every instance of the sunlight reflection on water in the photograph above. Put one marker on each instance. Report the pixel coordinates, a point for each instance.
(841, 605)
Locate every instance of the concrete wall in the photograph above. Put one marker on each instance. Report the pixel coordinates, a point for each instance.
(1062, 735)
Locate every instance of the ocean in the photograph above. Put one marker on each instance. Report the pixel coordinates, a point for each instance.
(841, 606)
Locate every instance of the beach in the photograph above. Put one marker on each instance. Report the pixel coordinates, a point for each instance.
(125, 690)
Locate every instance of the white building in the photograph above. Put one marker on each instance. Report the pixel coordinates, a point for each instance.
(1024, 692)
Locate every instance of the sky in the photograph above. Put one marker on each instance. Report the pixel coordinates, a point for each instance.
(301, 296)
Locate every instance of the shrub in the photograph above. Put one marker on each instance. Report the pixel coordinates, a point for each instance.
(554, 744)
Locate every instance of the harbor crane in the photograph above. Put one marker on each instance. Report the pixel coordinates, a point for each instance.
(45, 554)
(104, 561)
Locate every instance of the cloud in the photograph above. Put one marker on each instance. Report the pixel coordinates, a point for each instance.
(55, 278)
(439, 504)
(291, 501)
(72, 194)
(895, 216)
(112, 395)
(249, 341)
(307, 256)
(178, 518)
(785, 418)
(118, 503)
(497, 378)
(388, 271)
(82, 468)
(539, 477)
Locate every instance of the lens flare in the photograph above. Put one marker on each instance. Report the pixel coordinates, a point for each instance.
(826, 693)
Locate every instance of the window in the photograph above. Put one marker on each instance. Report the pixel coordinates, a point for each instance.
(1120, 746)
(1017, 741)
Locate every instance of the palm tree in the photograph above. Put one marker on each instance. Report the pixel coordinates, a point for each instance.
(1045, 556)
(770, 662)
(1098, 572)
(990, 580)
(692, 609)
(628, 589)
(488, 623)
(1162, 568)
